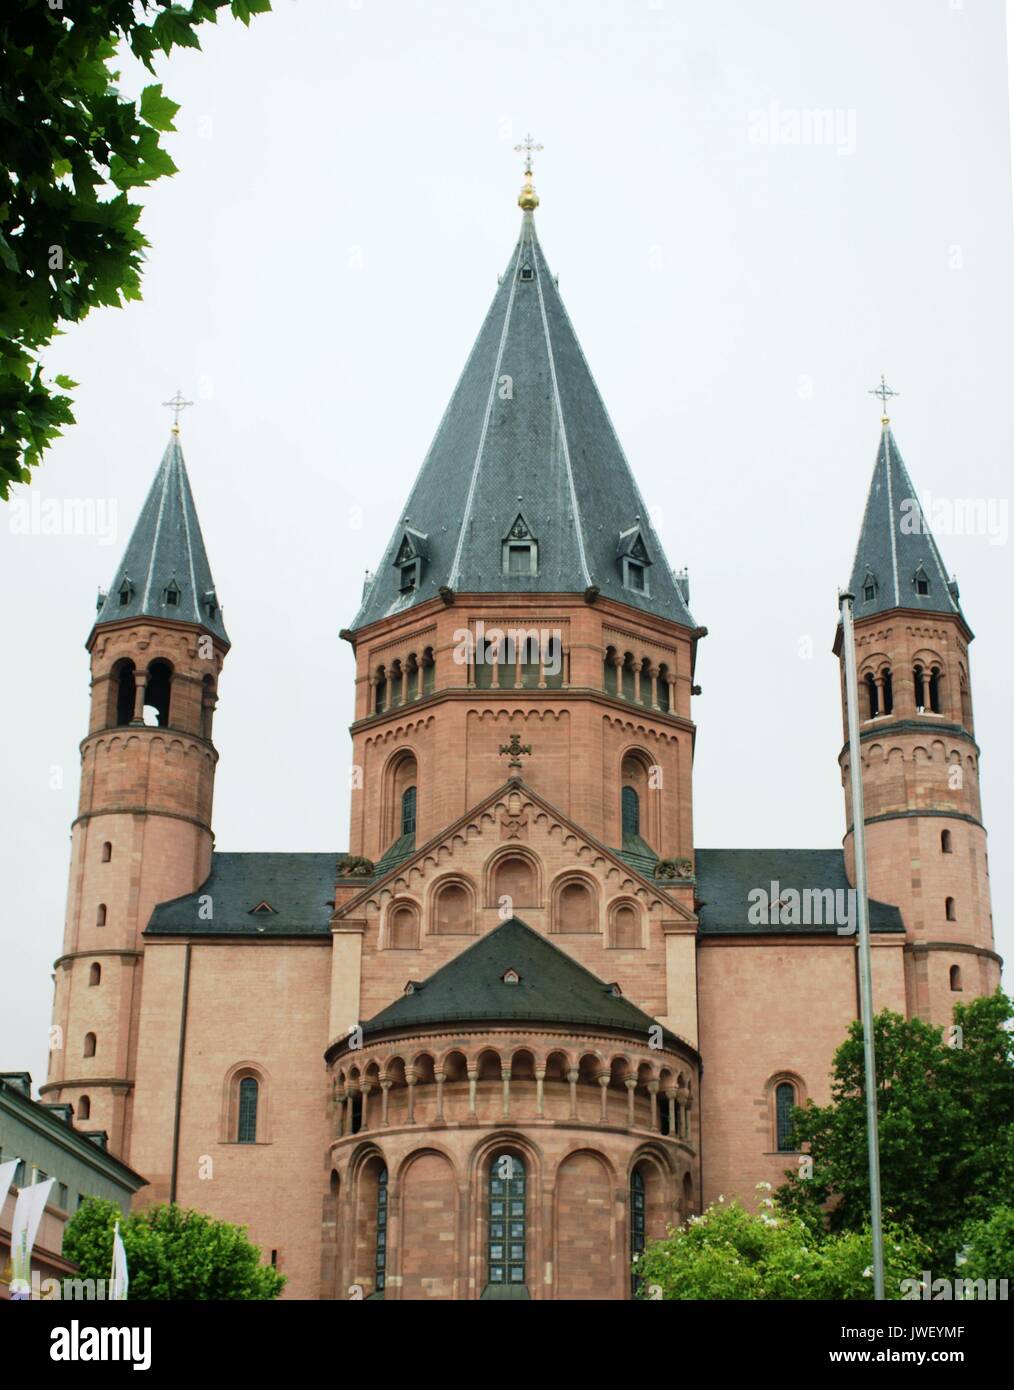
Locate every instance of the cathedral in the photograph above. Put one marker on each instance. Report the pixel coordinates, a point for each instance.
(522, 1024)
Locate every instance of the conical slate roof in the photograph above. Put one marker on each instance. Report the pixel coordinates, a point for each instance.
(551, 988)
(165, 559)
(526, 447)
(897, 554)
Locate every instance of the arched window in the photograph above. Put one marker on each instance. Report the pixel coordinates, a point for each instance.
(403, 932)
(107, 852)
(89, 1044)
(609, 672)
(515, 879)
(920, 691)
(662, 685)
(100, 915)
(126, 691)
(95, 973)
(380, 692)
(429, 671)
(945, 842)
(872, 698)
(575, 908)
(626, 927)
(630, 804)
(646, 682)
(408, 799)
(956, 977)
(84, 1108)
(627, 673)
(949, 911)
(636, 1226)
(380, 1266)
(888, 686)
(507, 1221)
(395, 684)
(246, 1127)
(934, 690)
(452, 910)
(785, 1099)
(158, 691)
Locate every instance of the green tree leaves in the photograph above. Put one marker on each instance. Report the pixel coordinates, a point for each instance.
(172, 1253)
(74, 148)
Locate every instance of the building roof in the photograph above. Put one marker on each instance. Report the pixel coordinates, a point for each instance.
(165, 556)
(525, 442)
(53, 1125)
(896, 544)
(727, 877)
(293, 892)
(552, 988)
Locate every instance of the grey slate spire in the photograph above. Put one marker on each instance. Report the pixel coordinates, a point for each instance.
(897, 557)
(526, 452)
(165, 572)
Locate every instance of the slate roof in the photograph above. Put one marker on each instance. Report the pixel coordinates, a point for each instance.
(299, 887)
(541, 445)
(166, 548)
(553, 989)
(725, 878)
(895, 541)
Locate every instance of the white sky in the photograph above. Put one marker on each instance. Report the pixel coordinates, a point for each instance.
(320, 266)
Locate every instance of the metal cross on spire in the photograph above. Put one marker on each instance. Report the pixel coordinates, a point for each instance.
(884, 392)
(529, 147)
(177, 405)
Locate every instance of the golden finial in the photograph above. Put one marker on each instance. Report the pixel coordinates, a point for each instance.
(528, 199)
(177, 405)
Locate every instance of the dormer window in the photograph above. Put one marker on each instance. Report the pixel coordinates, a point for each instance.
(869, 588)
(211, 602)
(171, 594)
(262, 907)
(408, 560)
(126, 592)
(520, 550)
(922, 584)
(634, 560)
(527, 273)
(511, 977)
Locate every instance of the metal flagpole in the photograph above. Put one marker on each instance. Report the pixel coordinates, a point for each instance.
(863, 906)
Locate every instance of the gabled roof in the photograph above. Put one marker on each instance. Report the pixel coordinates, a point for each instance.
(166, 551)
(727, 877)
(895, 543)
(299, 889)
(553, 988)
(526, 432)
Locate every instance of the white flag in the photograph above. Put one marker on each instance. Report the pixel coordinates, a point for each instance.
(120, 1280)
(27, 1215)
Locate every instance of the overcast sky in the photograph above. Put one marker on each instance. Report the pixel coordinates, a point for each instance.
(322, 262)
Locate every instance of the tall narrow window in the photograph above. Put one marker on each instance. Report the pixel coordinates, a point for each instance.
(785, 1099)
(663, 687)
(949, 911)
(631, 808)
(507, 1220)
(636, 1227)
(920, 692)
(945, 842)
(888, 693)
(380, 1280)
(126, 692)
(107, 852)
(100, 915)
(94, 973)
(84, 1108)
(955, 977)
(89, 1045)
(158, 693)
(380, 692)
(408, 799)
(246, 1132)
(872, 698)
(934, 690)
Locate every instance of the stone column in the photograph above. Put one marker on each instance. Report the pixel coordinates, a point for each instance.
(637, 682)
(505, 1077)
(385, 1088)
(140, 685)
(631, 1085)
(671, 1098)
(670, 681)
(604, 1093)
(340, 1130)
(419, 681)
(572, 1078)
(364, 1091)
(440, 1078)
(473, 1078)
(683, 1096)
(540, 1084)
(618, 668)
(653, 673)
(410, 1081)
(653, 1093)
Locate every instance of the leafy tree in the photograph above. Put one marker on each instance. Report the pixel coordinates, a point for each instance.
(172, 1253)
(988, 1248)
(73, 149)
(946, 1121)
(731, 1253)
